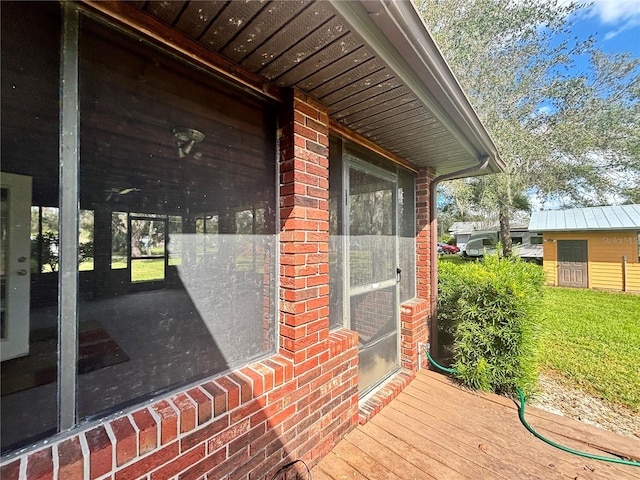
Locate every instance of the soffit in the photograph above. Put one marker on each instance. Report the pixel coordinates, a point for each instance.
(310, 45)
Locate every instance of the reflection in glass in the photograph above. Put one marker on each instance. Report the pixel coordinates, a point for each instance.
(183, 279)
(29, 152)
(371, 229)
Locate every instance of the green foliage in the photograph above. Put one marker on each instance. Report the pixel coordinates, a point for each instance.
(489, 312)
(566, 133)
(447, 238)
(592, 339)
(45, 247)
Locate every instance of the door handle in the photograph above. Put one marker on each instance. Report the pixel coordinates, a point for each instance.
(22, 272)
(398, 275)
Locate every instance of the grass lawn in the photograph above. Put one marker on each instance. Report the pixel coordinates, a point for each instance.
(592, 339)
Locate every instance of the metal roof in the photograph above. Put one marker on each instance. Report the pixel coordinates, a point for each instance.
(372, 62)
(621, 217)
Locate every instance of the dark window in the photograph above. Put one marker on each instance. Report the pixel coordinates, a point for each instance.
(176, 225)
(536, 240)
(30, 64)
(516, 240)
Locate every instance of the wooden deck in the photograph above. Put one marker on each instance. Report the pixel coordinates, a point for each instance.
(434, 429)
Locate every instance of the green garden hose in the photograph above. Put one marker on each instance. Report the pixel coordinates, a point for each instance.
(536, 434)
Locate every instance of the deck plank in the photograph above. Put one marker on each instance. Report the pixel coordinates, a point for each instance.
(602, 440)
(435, 429)
(571, 433)
(510, 443)
(362, 462)
(393, 462)
(413, 449)
(335, 468)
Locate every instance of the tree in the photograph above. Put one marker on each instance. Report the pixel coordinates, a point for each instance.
(572, 138)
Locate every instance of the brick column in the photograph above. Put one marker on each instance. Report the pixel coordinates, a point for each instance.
(304, 231)
(423, 234)
(415, 315)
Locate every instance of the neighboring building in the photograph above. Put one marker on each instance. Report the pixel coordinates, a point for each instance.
(217, 229)
(591, 247)
(462, 231)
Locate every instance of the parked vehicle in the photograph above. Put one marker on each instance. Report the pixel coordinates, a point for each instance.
(526, 245)
(447, 249)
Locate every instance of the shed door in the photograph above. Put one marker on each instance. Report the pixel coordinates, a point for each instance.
(572, 261)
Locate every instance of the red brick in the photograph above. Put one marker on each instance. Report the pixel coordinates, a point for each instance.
(147, 431)
(187, 412)
(219, 397)
(40, 465)
(307, 110)
(203, 404)
(257, 382)
(287, 365)
(204, 433)
(282, 416)
(179, 464)
(242, 471)
(232, 390)
(126, 440)
(228, 435)
(203, 466)
(230, 464)
(168, 421)
(246, 389)
(148, 463)
(100, 452)
(278, 371)
(70, 460)
(10, 471)
(267, 375)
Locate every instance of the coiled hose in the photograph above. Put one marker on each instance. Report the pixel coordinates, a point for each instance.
(619, 461)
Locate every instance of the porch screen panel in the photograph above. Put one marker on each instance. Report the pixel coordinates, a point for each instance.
(406, 235)
(180, 171)
(30, 65)
(336, 229)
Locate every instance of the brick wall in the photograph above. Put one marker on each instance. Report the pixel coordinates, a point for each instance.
(242, 425)
(246, 424)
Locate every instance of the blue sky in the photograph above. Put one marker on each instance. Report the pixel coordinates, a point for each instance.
(614, 23)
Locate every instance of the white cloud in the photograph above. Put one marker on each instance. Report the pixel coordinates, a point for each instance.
(621, 15)
(612, 12)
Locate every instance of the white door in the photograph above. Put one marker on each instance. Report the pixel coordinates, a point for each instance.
(15, 259)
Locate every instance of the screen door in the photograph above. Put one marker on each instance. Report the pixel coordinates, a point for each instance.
(372, 247)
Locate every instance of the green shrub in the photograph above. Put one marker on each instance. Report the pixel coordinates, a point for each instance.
(487, 317)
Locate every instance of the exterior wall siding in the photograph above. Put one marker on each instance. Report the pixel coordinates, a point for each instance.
(606, 250)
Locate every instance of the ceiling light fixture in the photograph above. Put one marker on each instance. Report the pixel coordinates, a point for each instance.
(186, 138)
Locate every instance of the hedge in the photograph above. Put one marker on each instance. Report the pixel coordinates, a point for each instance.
(487, 320)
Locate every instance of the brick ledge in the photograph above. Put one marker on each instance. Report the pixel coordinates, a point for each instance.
(381, 397)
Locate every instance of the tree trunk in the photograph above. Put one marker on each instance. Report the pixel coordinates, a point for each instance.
(505, 232)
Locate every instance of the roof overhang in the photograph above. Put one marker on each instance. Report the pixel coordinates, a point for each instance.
(371, 62)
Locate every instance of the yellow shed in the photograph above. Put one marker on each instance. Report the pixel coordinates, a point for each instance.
(596, 247)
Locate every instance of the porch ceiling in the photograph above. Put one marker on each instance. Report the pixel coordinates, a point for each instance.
(373, 64)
